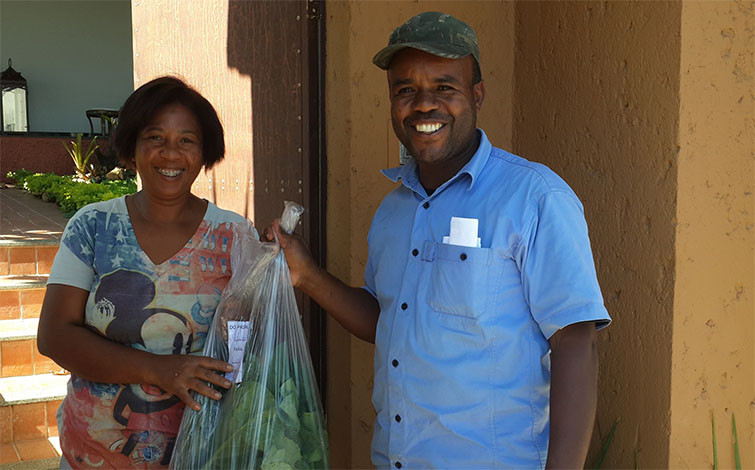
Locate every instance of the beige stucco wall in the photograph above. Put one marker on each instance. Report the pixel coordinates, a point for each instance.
(360, 143)
(596, 99)
(713, 355)
(172, 38)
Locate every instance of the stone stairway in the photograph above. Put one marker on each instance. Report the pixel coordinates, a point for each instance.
(31, 385)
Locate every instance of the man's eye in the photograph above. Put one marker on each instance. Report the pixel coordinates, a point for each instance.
(156, 138)
(444, 88)
(404, 90)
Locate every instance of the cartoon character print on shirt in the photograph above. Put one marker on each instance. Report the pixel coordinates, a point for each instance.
(203, 310)
(123, 313)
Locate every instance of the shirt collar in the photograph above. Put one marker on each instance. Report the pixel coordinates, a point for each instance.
(407, 172)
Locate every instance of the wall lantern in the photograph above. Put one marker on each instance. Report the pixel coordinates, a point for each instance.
(14, 105)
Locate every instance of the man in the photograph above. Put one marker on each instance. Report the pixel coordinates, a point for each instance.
(484, 326)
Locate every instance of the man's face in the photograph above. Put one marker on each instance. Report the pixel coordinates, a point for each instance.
(434, 106)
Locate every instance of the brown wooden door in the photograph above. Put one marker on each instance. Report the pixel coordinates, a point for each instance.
(260, 63)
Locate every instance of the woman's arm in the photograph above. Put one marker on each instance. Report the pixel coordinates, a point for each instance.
(64, 337)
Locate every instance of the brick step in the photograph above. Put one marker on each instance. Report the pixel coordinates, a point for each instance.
(28, 428)
(18, 350)
(34, 454)
(24, 258)
(21, 296)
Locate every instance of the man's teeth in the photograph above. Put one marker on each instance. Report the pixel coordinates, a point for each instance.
(428, 128)
(166, 172)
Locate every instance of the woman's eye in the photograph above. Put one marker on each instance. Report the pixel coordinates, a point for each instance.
(187, 140)
(156, 138)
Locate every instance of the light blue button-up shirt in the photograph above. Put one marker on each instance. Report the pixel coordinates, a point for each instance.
(462, 367)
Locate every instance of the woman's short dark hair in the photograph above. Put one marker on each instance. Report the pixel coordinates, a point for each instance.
(141, 107)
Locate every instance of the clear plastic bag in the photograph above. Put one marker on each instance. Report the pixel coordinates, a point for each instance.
(273, 418)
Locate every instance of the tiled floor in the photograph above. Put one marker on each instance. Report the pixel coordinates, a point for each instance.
(26, 217)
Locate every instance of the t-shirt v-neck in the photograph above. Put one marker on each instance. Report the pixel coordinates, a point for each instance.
(194, 234)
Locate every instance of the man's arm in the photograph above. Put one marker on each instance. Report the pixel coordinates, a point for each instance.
(354, 308)
(574, 377)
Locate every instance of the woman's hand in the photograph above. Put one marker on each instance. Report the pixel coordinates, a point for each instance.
(179, 374)
(63, 336)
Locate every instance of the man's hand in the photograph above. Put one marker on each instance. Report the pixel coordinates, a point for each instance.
(354, 308)
(301, 264)
(574, 378)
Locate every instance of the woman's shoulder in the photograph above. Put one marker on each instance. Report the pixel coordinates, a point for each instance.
(111, 206)
(217, 216)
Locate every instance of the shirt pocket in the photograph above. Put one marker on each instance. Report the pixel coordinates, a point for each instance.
(461, 279)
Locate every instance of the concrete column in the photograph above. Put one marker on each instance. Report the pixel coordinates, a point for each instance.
(713, 360)
(646, 109)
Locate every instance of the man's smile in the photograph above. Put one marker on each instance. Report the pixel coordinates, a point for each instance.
(428, 128)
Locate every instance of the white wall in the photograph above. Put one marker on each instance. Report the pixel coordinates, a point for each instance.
(75, 55)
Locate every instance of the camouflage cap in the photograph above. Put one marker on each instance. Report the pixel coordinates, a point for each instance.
(433, 32)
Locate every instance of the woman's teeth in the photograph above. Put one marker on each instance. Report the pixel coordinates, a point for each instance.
(428, 128)
(166, 172)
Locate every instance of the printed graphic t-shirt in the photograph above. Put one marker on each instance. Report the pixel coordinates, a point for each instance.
(162, 309)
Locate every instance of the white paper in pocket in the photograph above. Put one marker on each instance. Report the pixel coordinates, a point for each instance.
(463, 232)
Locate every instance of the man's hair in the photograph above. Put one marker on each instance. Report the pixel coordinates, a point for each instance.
(150, 98)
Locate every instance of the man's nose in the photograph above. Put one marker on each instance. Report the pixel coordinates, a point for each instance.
(425, 101)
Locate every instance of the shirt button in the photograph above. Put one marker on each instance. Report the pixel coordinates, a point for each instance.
(395, 363)
(415, 252)
(463, 256)
(398, 418)
(397, 464)
(404, 306)
(426, 205)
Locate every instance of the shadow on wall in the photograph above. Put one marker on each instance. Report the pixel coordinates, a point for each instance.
(264, 42)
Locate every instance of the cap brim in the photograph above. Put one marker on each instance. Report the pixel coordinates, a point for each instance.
(383, 58)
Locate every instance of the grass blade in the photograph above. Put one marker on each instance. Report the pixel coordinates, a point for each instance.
(715, 451)
(609, 439)
(737, 461)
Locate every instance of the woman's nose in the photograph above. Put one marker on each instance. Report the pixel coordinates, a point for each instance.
(169, 148)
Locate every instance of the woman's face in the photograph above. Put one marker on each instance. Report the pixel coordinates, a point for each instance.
(168, 153)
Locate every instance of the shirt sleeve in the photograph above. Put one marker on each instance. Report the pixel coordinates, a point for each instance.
(558, 271)
(369, 270)
(73, 264)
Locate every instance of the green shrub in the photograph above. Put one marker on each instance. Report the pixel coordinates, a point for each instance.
(81, 157)
(39, 184)
(19, 176)
(69, 194)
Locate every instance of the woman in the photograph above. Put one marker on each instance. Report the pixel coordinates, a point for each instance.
(134, 286)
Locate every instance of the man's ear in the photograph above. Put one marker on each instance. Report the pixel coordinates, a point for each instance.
(479, 94)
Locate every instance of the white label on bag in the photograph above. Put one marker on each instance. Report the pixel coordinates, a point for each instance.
(238, 334)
